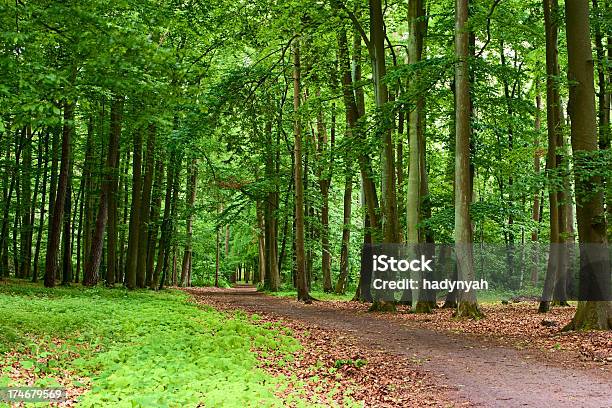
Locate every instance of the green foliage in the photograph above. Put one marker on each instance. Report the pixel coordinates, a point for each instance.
(140, 348)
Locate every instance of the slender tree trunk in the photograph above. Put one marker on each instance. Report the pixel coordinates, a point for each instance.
(145, 208)
(554, 123)
(467, 306)
(191, 195)
(53, 240)
(261, 244)
(131, 263)
(41, 221)
(389, 191)
(26, 207)
(346, 231)
(164, 241)
(535, 213)
(592, 313)
(66, 241)
(270, 214)
(302, 288)
(108, 194)
(154, 221)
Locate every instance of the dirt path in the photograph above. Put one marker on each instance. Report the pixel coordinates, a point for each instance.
(485, 372)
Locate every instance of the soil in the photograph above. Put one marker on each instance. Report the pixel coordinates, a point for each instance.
(478, 369)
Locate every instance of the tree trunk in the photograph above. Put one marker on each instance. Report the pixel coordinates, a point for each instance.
(154, 220)
(66, 241)
(535, 213)
(389, 191)
(191, 195)
(41, 221)
(108, 194)
(554, 123)
(302, 288)
(131, 262)
(594, 255)
(53, 240)
(467, 306)
(346, 231)
(26, 207)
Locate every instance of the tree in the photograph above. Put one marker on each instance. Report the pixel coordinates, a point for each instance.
(53, 241)
(594, 311)
(302, 287)
(466, 306)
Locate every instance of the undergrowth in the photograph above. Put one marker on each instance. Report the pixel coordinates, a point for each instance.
(135, 348)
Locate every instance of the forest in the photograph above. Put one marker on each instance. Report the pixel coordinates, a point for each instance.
(192, 192)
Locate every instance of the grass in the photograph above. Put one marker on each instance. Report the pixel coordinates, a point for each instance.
(134, 348)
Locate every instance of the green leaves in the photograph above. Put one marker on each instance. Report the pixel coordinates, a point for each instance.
(144, 349)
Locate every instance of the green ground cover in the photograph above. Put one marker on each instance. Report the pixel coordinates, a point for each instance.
(135, 348)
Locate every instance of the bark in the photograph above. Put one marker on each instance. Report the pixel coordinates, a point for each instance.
(113, 196)
(346, 232)
(131, 262)
(554, 123)
(467, 306)
(108, 194)
(145, 208)
(324, 169)
(261, 243)
(66, 241)
(302, 288)
(164, 241)
(7, 205)
(53, 239)
(594, 253)
(154, 220)
(389, 191)
(535, 213)
(41, 221)
(88, 198)
(191, 195)
(27, 207)
(270, 214)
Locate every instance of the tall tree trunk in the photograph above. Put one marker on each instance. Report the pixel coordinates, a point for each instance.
(53, 239)
(145, 208)
(108, 193)
(164, 241)
(26, 207)
(346, 231)
(154, 220)
(66, 236)
(131, 263)
(389, 191)
(535, 213)
(467, 306)
(592, 313)
(113, 197)
(41, 221)
(302, 288)
(191, 195)
(554, 123)
(270, 214)
(324, 169)
(261, 244)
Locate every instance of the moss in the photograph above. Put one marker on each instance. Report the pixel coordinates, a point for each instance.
(591, 316)
(382, 306)
(424, 306)
(469, 310)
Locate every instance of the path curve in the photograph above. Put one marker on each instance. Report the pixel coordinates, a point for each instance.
(486, 373)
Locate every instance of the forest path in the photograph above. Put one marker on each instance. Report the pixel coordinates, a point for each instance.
(485, 372)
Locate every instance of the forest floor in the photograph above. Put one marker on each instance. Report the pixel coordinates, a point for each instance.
(513, 357)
